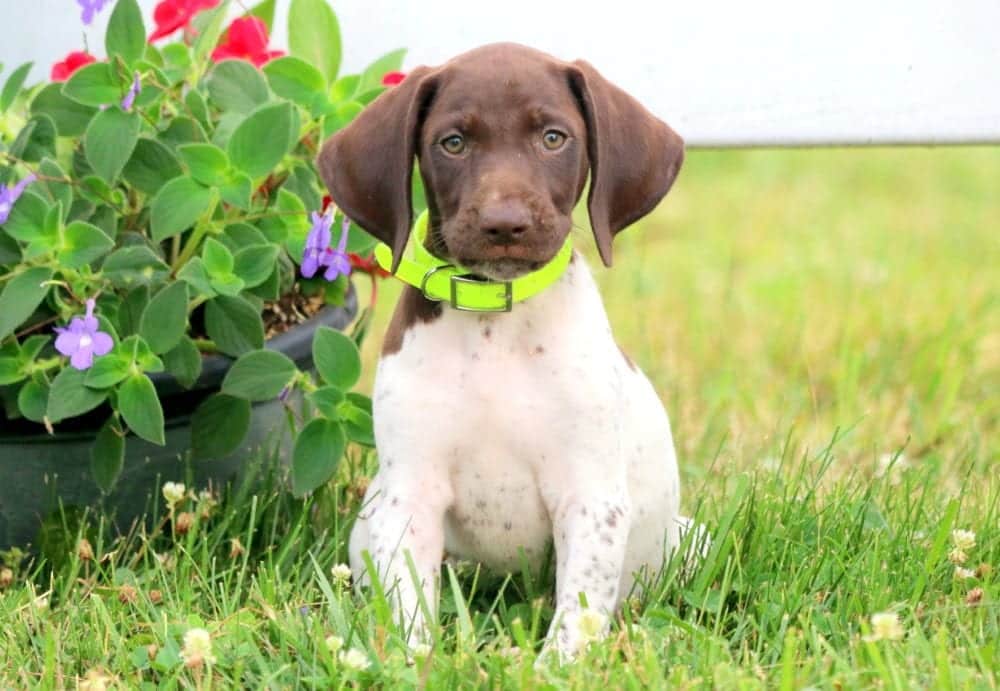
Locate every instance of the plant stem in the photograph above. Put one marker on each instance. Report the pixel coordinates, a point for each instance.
(202, 227)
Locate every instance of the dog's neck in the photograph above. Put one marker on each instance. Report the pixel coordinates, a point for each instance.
(569, 308)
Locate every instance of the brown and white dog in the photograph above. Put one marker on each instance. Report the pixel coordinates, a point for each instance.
(499, 433)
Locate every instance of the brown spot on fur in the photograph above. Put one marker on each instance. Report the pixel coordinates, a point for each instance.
(539, 350)
(412, 308)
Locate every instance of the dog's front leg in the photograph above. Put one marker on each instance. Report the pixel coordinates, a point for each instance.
(590, 533)
(403, 529)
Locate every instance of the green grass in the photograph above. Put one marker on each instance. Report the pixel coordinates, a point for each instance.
(824, 328)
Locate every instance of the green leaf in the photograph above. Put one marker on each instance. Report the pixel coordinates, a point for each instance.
(227, 284)
(341, 117)
(236, 86)
(345, 87)
(182, 130)
(110, 140)
(259, 375)
(207, 163)
(10, 251)
(199, 107)
(327, 400)
(265, 11)
(107, 371)
(237, 190)
(71, 118)
(134, 265)
(27, 219)
(56, 190)
(20, 297)
(130, 311)
(219, 426)
(314, 35)
(183, 362)
(13, 85)
(255, 263)
(11, 371)
(36, 140)
(210, 30)
(164, 320)
(336, 358)
(296, 80)
(195, 274)
(318, 450)
(107, 456)
(33, 398)
(151, 166)
(217, 257)
(234, 325)
(83, 243)
(358, 425)
(259, 143)
(177, 206)
(126, 34)
(70, 396)
(140, 355)
(95, 85)
(140, 408)
(371, 78)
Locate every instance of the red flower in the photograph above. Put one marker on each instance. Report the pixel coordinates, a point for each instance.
(70, 64)
(393, 78)
(246, 40)
(171, 15)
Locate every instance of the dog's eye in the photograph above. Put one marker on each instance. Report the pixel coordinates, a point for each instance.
(455, 144)
(553, 139)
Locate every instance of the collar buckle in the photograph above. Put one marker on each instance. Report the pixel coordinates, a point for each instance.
(508, 305)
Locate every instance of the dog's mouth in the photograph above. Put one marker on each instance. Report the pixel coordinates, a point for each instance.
(501, 269)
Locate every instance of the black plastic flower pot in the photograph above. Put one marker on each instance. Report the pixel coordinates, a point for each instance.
(40, 470)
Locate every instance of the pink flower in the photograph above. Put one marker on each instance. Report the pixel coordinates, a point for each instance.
(393, 78)
(171, 15)
(246, 40)
(61, 71)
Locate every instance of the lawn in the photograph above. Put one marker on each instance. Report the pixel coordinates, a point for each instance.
(824, 329)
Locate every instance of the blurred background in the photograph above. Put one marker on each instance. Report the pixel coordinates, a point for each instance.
(722, 73)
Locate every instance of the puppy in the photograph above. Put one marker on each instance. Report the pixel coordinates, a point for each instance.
(502, 432)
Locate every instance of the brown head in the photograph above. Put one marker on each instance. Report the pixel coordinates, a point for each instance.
(505, 137)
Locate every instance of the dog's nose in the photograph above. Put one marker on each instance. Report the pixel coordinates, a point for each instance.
(504, 224)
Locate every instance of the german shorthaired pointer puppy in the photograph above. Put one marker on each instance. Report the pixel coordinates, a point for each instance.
(501, 432)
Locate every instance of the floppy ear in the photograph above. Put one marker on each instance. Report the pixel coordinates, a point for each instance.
(634, 156)
(368, 165)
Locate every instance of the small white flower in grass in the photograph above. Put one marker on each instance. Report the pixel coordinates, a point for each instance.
(41, 604)
(197, 648)
(963, 539)
(957, 556)
(341, 575)
(964, 574)
(334, 643)
(885, 627)
(589, 626)
(354, 659)
(421, 651)
(173, 492)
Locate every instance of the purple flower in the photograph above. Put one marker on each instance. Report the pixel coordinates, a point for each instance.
(90, 8)
(81, 340)
(337, 261)
(9, 195)
(318, 251)
(317, 243)
(133, 91)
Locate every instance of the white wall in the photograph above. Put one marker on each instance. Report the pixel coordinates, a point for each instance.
(757, 72)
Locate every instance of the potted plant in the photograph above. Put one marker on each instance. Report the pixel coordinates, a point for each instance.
(170, 272)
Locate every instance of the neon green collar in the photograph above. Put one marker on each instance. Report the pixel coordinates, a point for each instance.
(443, 282)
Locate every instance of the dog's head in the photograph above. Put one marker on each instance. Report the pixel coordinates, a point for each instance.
(505, 137)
